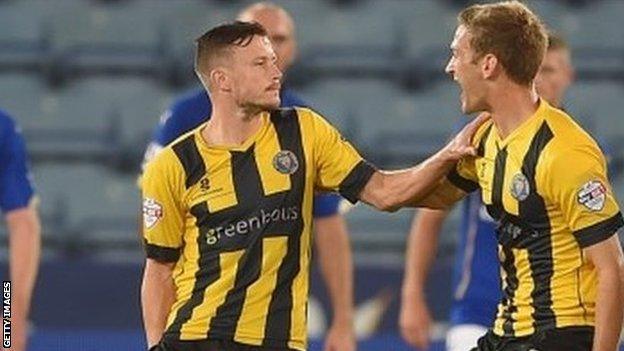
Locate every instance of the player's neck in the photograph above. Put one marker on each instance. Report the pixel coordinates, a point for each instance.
(511, 107)
(231, 126)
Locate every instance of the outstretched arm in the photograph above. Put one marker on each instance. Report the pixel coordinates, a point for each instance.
(388, 191)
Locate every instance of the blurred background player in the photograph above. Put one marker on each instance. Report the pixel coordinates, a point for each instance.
(476, 282)
(19, 208)
(331, 239)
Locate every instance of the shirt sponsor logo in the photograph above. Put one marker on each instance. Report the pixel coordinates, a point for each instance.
(593, 195)
(152, 212)
(285, 162)
(520, 188)
(253, 223)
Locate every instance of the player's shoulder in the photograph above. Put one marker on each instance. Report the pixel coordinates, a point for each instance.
(7, 123)
(567, 134)
(569, 143)
(285, 114)
(306, 113)
(191, 98)
(482, 132)
(167, 158)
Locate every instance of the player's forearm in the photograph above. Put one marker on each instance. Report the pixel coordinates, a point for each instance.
(24, 251)
(334, 252)
(157, 297)
(422, 247)
(609, 308)
(390, 190)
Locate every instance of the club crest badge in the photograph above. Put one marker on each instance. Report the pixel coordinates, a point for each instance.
(152, 212)
(520, 187)
(593, 195)
(285, 162)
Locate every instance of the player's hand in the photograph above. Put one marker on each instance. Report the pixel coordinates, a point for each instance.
(461, 145)
(415, 323)
(340, 337)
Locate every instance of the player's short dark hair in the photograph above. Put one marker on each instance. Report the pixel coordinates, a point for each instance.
(218, 40)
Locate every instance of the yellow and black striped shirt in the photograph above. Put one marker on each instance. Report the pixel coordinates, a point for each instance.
(546, 184)
(237, 222)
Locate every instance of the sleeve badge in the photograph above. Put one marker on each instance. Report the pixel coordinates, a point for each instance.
(593, 195)
(152, 212)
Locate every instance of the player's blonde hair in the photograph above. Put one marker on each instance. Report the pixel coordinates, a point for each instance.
(510, 31)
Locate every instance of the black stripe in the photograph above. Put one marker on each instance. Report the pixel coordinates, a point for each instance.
(161, 253)
(496, 209)
(481, 147)
(600, 231)
(278, 324)
(209, 271)
(192, 162)
(249, 193)
(356, 180)
(464, 184)
(532, 211)
(511, 285)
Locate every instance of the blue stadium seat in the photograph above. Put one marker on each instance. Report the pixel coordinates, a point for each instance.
(23, 39)
(597, 24)
(117, 38)
(428, 25)
(597, 105)
(22, 95)
(102, 205)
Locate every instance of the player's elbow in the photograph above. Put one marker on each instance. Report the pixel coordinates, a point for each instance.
(157, 271)
(383, 202)
(381, 194)
(24, 222)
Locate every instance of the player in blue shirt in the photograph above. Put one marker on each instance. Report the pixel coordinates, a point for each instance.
(476, 282)
(22, 220)
(333, 248)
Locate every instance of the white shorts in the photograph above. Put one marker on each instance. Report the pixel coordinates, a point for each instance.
(464, 337)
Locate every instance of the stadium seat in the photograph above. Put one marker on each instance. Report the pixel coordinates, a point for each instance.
(102, 206)
(595, 25)
(597, 106)
(22, 97)
(108, 39)
(23, 39)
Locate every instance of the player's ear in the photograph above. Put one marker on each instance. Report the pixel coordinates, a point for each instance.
(219, 79)
(489, 66)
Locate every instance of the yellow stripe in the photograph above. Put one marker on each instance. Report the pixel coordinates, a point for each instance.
(184, 273)
(298, 322)
(498, 323)
(221, 193)
(252, 322)
(214, 297)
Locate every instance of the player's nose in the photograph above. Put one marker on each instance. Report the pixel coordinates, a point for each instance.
(276, 72)
(450, 68)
